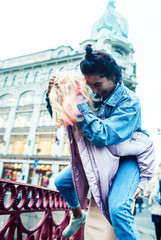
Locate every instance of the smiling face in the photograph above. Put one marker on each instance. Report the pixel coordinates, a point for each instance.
(101, 85)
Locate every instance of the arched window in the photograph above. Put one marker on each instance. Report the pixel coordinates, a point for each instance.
(36, 77)
(77, 68)
(61, 53)
(6, 101)
(118, 54)
(5, 82)
(44, 96)
(61, 69)
(27, 98)
(23, 119)
(26, 78)
(50, 73)
(13, 80)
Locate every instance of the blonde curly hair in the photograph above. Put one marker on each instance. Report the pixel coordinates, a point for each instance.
(64, 98)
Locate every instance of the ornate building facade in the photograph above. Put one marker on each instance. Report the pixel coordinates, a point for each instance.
(31, 147)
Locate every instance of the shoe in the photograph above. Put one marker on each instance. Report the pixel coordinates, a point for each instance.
(74, 225)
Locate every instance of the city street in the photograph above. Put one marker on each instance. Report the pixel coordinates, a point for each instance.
(144, 223)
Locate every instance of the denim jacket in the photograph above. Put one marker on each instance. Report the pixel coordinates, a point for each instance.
(117, 118)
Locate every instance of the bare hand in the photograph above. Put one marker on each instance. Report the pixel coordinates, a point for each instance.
(50, 84)
(137, 192)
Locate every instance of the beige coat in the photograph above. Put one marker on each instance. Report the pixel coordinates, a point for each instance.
(155, 206)
(97, 226)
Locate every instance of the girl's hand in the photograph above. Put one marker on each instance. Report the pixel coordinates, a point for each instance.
(137, 192)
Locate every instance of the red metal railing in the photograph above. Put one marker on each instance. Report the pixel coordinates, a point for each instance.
(26, 198)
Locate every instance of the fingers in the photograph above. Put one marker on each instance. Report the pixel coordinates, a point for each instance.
(52, 79)
(137, 192)
(50, 84)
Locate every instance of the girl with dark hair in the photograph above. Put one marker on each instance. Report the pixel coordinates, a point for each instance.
(118, 117)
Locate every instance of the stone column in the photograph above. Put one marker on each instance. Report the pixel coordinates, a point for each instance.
(55, 170)
(7, 135)
(60, 142)
(25, 172)
(34, 123)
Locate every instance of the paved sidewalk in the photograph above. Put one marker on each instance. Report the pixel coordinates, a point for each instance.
(144, 223)
(146, 234)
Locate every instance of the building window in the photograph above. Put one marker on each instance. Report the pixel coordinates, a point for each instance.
(5, 82)
(77, 68)
(123, 70)
(43, 173)
(118, 54)
(11, 171)
(134, 69)
(26, 78)
(36, 76)
(61, 167)
(3, 120)
(61, 69)
(6, 101)
(44, 97)
(61, 53)
(27, 98)
(45, 119)
(13, 81)
(23, 120)
(50, 74)
(45, 144)
(18, 144)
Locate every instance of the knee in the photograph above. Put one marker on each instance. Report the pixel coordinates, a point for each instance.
(114, 211)
(58, 182)
(120, 212)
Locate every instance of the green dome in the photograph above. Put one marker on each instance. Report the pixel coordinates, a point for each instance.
(111, 25)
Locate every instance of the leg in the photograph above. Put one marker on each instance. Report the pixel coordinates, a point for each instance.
(120, 199)
(158, 230)
(64, 184)
(97, 226)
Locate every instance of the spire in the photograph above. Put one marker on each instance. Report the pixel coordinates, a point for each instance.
(111, 25)
(111, 3)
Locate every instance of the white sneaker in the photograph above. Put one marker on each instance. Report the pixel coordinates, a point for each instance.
(74, 225)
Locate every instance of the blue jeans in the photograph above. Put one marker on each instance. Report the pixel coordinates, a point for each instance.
(64, 184)
(120, 196)
(120, 199)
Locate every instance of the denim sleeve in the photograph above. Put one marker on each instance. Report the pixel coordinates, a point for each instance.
(156, 193)
(115, 129)
(48, 106)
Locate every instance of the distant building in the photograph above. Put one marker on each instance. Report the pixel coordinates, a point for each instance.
(27, 133)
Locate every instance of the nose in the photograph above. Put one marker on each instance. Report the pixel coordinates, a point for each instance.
(94, 90)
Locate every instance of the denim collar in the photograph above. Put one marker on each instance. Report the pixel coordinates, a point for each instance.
(114, 97)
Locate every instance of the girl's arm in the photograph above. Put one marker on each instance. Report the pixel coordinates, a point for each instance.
(117, 128)
(48, 106)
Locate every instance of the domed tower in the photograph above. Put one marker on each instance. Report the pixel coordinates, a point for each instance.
(110, 33)
(111, 25)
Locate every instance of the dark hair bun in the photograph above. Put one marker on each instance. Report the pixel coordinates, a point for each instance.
(89, 51)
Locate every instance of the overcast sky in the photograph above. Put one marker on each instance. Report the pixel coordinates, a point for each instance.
(36, 25)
